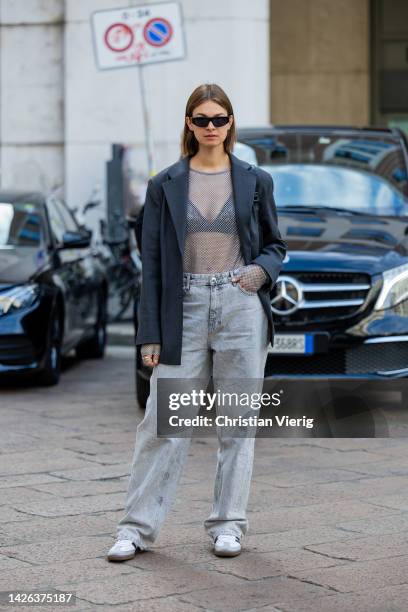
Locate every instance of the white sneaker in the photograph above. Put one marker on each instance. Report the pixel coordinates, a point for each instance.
(122, 550)
(226, 545)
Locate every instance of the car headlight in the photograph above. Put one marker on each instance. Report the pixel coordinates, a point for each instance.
(18, 297)
(394, 289)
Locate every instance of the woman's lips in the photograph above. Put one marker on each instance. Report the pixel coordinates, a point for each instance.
(211, 135)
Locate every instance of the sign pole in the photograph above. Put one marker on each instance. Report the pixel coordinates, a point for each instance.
(146, 121)
(138, 35)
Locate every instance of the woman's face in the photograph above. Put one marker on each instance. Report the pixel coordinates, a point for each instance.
(210, 136)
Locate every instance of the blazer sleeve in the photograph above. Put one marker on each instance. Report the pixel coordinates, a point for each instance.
(149, 327)
(274, 247)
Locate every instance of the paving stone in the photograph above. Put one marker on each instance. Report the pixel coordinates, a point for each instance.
(396, 466)
(126, 438)
(365, 489)
(22, 495)
(394, 502)
(23, 480)
(375, 445)
(301, 476)
(70, 488)
(44, 529)
(388, 599)
(72, 506)
(396, 522)
(318, 456)
(94, 472)
(59, 550)
(93, 449)
(69, 573)
(256, 566)
(162, 604)
(14, 442)
(294, 538)
(111, 458)
(36, 425)
(39, 461)
(10, 515)
(199, 553)
(256, 594)
(282, 519)
(365, 548)
(359, 576)
(145, 585)
(11, 563)
(181, 534)
(362, 488)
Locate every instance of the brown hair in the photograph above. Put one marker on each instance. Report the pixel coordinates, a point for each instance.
(202, 93)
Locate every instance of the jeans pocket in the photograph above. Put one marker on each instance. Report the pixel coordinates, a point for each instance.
(245, 292)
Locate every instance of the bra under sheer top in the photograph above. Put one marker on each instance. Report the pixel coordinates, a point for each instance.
(212, 242)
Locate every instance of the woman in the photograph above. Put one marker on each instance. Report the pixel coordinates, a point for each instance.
(211, 253)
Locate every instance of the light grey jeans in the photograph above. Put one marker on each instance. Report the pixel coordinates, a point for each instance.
(224, 335)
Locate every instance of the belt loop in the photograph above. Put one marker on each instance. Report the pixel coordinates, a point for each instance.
(188, 281)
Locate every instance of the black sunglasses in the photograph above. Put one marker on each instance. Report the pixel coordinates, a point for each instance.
(203, 122)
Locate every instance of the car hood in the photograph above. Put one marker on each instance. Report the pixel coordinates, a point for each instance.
(335, 240)
(20, 264)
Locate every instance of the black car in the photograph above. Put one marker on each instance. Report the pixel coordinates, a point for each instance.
(340, 304)
(53, 290)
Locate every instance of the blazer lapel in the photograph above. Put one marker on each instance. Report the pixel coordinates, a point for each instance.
(243, 183)
(176, 192)
(243, 180)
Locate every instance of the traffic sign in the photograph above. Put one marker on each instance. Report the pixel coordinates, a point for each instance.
(138, 35)
(157, 31)
(118, 37)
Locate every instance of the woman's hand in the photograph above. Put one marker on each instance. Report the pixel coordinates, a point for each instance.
(250, 277)
(150, 354)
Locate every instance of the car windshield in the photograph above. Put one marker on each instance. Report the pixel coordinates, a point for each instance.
(377, 153)
(20, 224)
(309, 185)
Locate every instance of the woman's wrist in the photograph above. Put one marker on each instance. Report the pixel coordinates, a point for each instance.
(252, 276)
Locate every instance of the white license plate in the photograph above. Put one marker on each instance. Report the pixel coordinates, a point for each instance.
(292, 344)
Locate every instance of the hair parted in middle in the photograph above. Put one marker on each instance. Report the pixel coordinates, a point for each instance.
(202, 93)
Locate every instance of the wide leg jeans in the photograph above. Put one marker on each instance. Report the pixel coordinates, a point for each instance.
(224, 335)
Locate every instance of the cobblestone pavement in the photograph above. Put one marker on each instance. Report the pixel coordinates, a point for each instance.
(328, 518)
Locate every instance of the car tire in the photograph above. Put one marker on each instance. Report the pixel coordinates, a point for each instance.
(50, 374)
(94, 347)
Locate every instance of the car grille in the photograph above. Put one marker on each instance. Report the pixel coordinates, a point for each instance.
(357, 360)
(16, 350)
(327, 296)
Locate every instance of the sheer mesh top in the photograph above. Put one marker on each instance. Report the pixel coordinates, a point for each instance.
(212, 242)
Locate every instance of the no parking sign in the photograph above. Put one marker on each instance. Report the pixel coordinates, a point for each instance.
(157, 31)
(138, 35)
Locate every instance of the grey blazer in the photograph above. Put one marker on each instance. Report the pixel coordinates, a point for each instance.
(160, 313)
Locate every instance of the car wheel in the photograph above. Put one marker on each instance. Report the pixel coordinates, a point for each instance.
(51, 372)
(94, 347)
